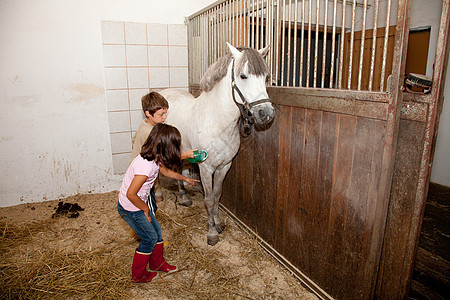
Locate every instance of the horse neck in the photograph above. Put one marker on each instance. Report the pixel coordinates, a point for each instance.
(220, 98)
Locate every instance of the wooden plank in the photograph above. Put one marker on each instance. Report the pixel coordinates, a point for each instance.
(365, 180)
(323, 187)
(328, 93)
(330, 102)
(283, 175)
(308, 184)
(338, 258)
(266, 161)
(294, 249)
(246, 206)
(401, 207)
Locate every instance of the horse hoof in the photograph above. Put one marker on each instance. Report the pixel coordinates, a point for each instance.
(220, 228)
(212, 240)
(186, 202)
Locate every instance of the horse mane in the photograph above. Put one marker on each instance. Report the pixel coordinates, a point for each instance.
(256, 66)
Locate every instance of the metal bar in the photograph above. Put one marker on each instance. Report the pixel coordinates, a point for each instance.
(316, 46)
(309, 44)
(241, 22)
(278, 42)
(205, 43)
(197, 46)
(266, 18)
(189, 32)
(363, 37)
(302, 44)
(333, 45)
(261, 35)
(200, 42)
(324, 48)
(271, 40)
(224, 38)
(214, 34)
(374, 44)
(236, 24)
(229, 22)
(341, 51)
(259, 8)
(244, 23)
(209, 37)
(386, 37)
(206, 37)
(289, 46)
(295, 44)
(248, 23)
(191, 50)
(253, 24)
(257, 25)
(233, 23)
(283, 39)
(352, 35)
(218, 31)
(224, 29)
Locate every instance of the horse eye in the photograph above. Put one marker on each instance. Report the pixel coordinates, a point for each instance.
(243, 76)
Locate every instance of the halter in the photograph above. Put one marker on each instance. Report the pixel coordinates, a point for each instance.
(247, 119)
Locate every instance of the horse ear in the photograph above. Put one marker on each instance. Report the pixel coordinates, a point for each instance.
(235, 52)
(264, 51)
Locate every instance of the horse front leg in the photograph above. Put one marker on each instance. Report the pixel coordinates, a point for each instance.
(219, 177)
(185, 200)
(206, 175)
(158, 191)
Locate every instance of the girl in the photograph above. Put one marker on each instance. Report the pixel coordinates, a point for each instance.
(160, 153)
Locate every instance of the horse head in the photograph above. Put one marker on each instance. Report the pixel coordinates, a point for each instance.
(248, 75)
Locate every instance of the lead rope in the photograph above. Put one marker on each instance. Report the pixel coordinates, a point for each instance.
(245, 119)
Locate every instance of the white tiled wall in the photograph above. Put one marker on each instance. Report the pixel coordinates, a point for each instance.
(139, 57)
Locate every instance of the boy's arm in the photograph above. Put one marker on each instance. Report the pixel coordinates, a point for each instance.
(174, 175)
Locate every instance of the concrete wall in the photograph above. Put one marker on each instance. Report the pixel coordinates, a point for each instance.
(426, 13)
(54, 131)
(441, 166)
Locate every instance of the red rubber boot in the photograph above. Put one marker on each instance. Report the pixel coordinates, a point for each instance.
(157, 261)
(139, 273)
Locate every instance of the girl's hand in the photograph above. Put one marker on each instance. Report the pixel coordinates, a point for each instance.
(147, 214)
(188, 154)
(191, 181)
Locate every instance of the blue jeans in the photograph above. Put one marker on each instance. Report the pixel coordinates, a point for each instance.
(150, 233)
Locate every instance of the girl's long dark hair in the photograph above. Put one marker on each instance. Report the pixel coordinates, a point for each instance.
(163, 145)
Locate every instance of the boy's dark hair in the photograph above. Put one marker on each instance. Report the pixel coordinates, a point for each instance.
(153, 101)
(163, 145)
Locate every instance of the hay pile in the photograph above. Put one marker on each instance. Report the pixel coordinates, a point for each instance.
(90, 256)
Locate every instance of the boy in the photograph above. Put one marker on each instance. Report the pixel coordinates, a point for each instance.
(155, 108)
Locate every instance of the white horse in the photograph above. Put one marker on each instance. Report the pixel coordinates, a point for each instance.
(233, 87)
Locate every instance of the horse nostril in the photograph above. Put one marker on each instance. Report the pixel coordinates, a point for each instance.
(261, 114)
